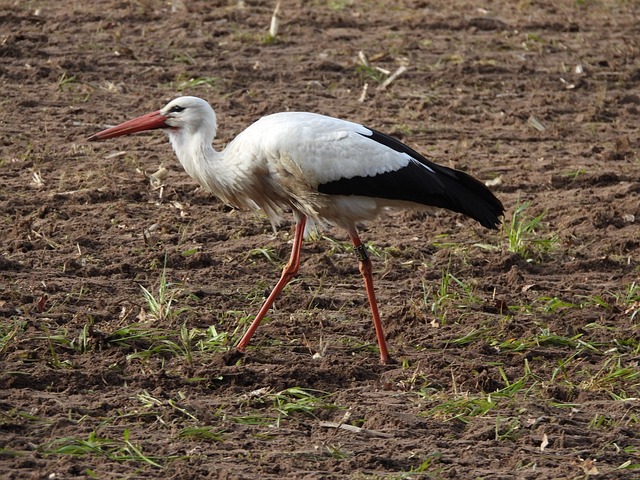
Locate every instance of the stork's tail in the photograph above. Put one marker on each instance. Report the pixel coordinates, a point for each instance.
(422, 181)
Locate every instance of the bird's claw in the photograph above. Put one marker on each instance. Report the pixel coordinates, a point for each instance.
(232, 357)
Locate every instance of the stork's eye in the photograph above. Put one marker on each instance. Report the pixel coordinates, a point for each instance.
(176, 109)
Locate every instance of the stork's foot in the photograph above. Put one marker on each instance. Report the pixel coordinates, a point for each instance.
(388, 360)
(232, 356)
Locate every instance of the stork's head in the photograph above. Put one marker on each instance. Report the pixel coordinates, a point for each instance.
(182, 116)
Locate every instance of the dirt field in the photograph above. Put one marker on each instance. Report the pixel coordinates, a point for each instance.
(518, 351)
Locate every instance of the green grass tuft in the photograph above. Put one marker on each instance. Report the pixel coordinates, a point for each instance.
(524, 235)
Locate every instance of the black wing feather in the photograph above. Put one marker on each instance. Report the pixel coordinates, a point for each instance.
(425, 182)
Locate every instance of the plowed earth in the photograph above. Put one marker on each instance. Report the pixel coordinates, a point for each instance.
(513, 361)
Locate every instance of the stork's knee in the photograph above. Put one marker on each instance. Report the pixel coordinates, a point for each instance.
(290, 271)
(363, 260)
(361, 252)
(365, 267)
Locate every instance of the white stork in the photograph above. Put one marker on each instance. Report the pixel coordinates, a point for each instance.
(323, 169)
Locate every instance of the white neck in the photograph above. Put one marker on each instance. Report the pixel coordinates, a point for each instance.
(213, 170)
(195, 152)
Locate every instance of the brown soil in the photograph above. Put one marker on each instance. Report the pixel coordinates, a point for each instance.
(84, 229)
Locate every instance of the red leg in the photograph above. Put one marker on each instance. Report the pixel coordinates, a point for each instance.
(288, 273)
(365, 269)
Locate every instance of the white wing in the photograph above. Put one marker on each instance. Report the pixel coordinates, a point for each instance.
(343, 172)
(325, 149)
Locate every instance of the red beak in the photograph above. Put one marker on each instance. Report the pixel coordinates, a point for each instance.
(150, 121)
